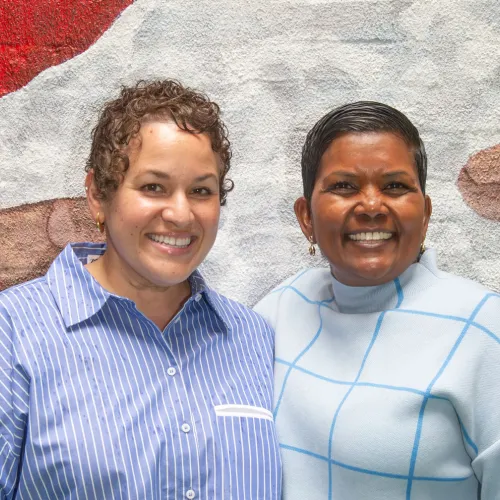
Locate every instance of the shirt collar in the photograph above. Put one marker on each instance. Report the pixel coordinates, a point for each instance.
(200, 286)
(78, 295)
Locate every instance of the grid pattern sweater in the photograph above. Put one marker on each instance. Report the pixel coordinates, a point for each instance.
(389, 392)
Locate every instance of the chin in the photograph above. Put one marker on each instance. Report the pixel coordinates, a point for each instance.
(365, 274)
(162, 278)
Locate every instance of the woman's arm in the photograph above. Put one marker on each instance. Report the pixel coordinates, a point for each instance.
(13, 398)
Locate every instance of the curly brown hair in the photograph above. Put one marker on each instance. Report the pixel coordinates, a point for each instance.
(120, 121)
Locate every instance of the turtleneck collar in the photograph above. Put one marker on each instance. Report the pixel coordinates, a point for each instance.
(369, 299)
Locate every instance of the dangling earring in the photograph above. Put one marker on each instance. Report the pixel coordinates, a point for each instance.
(422, 248)
(99, 224)
(312, 248)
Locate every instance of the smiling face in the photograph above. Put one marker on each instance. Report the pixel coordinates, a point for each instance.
(367, 212)
(163, 219)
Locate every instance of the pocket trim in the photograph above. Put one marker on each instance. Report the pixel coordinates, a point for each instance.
(247, 411)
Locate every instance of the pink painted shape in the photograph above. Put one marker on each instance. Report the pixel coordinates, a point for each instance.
(32, 235)
(479, 182)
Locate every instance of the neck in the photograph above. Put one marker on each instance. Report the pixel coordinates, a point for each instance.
(390, 295)
(158, 304)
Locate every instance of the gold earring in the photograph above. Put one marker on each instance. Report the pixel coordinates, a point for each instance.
(312, 248)
(422, 248)
(99, 224)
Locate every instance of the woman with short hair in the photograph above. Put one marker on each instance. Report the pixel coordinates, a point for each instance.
(123, 375)
(387, 369)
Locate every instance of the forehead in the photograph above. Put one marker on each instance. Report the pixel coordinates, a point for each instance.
(165, 143)
(367, 151)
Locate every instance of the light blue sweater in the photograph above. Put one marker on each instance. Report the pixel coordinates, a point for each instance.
(389, 392)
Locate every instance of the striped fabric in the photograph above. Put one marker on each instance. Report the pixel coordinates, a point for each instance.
(97, 403)
(389, 392)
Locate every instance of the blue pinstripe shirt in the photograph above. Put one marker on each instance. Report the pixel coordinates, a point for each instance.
(97, 403)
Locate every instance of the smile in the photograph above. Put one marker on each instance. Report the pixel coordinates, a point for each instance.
(370, 236)
(170, 240)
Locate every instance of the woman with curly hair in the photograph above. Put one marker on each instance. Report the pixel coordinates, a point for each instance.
(122, 373)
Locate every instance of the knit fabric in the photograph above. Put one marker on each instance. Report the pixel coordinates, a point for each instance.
(387, 392)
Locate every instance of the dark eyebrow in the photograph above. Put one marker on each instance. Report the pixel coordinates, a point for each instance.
(397, 174)
(341, 173)
(158, 173)
(164, 175)
(205, 177)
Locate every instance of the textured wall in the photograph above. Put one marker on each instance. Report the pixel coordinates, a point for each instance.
(275, 67)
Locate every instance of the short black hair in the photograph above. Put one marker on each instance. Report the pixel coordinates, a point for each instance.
(361, 116)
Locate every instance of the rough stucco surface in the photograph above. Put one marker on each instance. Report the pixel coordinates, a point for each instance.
(275, 67)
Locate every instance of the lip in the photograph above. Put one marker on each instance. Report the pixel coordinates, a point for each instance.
(370, 243)
(370, 230)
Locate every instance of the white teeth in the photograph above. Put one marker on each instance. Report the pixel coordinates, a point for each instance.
(171, 241)
(376, 235)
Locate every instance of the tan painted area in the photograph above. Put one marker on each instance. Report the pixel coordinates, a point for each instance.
(32, 235)
(479, 182)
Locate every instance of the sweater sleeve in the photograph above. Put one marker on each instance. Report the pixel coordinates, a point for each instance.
(13, 397)
(481, 415)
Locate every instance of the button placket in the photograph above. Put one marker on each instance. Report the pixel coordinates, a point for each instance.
(190, 494)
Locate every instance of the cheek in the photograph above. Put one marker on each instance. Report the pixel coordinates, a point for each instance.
(328, 215)
(413, 219)
(209, 218)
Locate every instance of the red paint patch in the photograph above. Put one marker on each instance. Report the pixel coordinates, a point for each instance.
(479, 182)
(37, 34)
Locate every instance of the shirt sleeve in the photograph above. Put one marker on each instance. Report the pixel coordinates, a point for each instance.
(13, 397)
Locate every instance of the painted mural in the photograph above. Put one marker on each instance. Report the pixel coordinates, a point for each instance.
(275, 68)
(32, 235)
(36, 34)
(479, 182)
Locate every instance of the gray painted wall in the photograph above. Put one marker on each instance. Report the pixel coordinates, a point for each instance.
(275, 67)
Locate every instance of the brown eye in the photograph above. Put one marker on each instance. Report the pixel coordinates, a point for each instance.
(341, 187)
(152, 188)
(396, 187)
(202, 191)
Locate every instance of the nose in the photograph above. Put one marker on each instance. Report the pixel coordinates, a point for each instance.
(177, 211)
(371, 204)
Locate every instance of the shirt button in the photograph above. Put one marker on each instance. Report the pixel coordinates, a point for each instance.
(186, 428)
(171, 371)
(190, 494)
(197, 297)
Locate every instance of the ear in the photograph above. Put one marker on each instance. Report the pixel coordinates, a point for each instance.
(93, 200)
(303, 214)
(427, 214)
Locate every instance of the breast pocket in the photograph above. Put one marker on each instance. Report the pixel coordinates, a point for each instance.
(249, 448)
